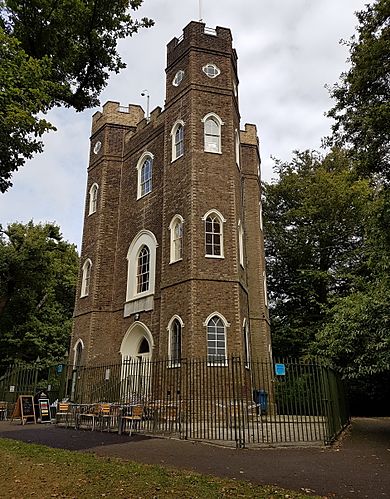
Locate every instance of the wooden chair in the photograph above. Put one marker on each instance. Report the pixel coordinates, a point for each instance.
(87, 416)
(131, 414)
(64, 414)
(3, 410)
(108, 416)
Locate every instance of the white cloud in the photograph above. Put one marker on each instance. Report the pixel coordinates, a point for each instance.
(287, 51)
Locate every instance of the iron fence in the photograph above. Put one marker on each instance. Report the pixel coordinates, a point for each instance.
(231, 400)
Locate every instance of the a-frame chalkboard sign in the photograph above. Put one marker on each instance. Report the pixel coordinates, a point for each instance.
(24, 409)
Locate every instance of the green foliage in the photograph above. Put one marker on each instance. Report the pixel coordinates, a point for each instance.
(357, 337)
(38, 272)
(54, 52)
(362, 109)
(314, 234)
(26, 91)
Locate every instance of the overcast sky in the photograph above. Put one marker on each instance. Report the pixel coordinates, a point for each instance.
(287, 51)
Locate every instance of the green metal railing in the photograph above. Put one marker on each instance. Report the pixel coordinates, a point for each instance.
(231, 400)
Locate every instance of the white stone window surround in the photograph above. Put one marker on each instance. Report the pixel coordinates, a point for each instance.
(177, 219)
(222, 220)
(247, 350)
(93, 198)
(211, 70)
(241, 242)
(261, 215)
(265, 288)
(177, 147)
(170, 339)
(178, 78)
(78, 350)
(237, 147)
(144, 299)
(212, 337)
(212, 135)
(86, 278)
(146, 155)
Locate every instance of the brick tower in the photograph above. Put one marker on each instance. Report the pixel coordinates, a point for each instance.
(172, 261)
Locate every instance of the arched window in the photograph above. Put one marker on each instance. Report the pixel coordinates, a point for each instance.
(145, 170)
(78, 353)
(212, 133)
(86, 278)
(265, 288)
(141, 273)
(177, 134)
(93, 196)
(247, 355)
(176, 230)
(174, 347)
(261, 215)
(143, 269)
(237, 148)
(241, 243)
(216, 339)
(214, 234)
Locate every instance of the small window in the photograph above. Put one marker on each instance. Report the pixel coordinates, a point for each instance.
(86, 278)
(214, 234)
(265, 288)
(235, 91)
(241, 243)
(261, 215)
(216, 341)
(178, 78)
(93, 196)
(143, 268)
(145, 170)
(246, 341)
(211, 70)
(176, 229)
(177, 134)
(237, 148)
(212, 133)
(78, 354)
(175, 342)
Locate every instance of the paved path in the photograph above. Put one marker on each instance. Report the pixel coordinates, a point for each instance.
(357, 467)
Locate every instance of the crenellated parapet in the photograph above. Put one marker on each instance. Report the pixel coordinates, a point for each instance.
(115, 114)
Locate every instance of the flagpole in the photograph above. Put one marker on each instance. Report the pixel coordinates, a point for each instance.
(200, 11)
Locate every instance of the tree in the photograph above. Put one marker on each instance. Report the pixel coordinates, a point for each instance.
(314, 238)
(362, 109)
(53, 53)
(38, 272)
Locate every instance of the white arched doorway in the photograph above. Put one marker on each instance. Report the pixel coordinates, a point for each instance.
(136, 351)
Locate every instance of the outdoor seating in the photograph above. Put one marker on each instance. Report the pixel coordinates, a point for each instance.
(3, 410)
(87, 416)
(64, 414)
(130, 416)
(108, 417)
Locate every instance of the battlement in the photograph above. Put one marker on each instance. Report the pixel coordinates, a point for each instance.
(115, 114)
(249, 135)
(196, 34)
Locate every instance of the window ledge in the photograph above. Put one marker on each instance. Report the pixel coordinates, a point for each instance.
(213, 152)
(218, 257)
(177, 157)
(217, 364)
(139, 304)
(175, 261)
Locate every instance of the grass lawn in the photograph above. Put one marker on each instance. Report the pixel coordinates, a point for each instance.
(29, 470)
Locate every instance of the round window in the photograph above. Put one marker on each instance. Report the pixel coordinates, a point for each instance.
(97, 147)
(211, 70)
(178, 78)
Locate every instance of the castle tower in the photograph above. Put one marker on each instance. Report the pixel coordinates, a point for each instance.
(172, 261)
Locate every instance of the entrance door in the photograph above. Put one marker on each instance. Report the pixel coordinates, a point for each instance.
(136, 364)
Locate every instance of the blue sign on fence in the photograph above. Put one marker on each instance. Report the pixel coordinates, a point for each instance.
(280, 369)
(59, 368)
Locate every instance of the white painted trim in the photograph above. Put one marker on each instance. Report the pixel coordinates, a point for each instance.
(137, 340)
(172, 225)
(173, 133)
(94, 188)
(86, 265)
(147, 238)
(226, 323)
(140, 163)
